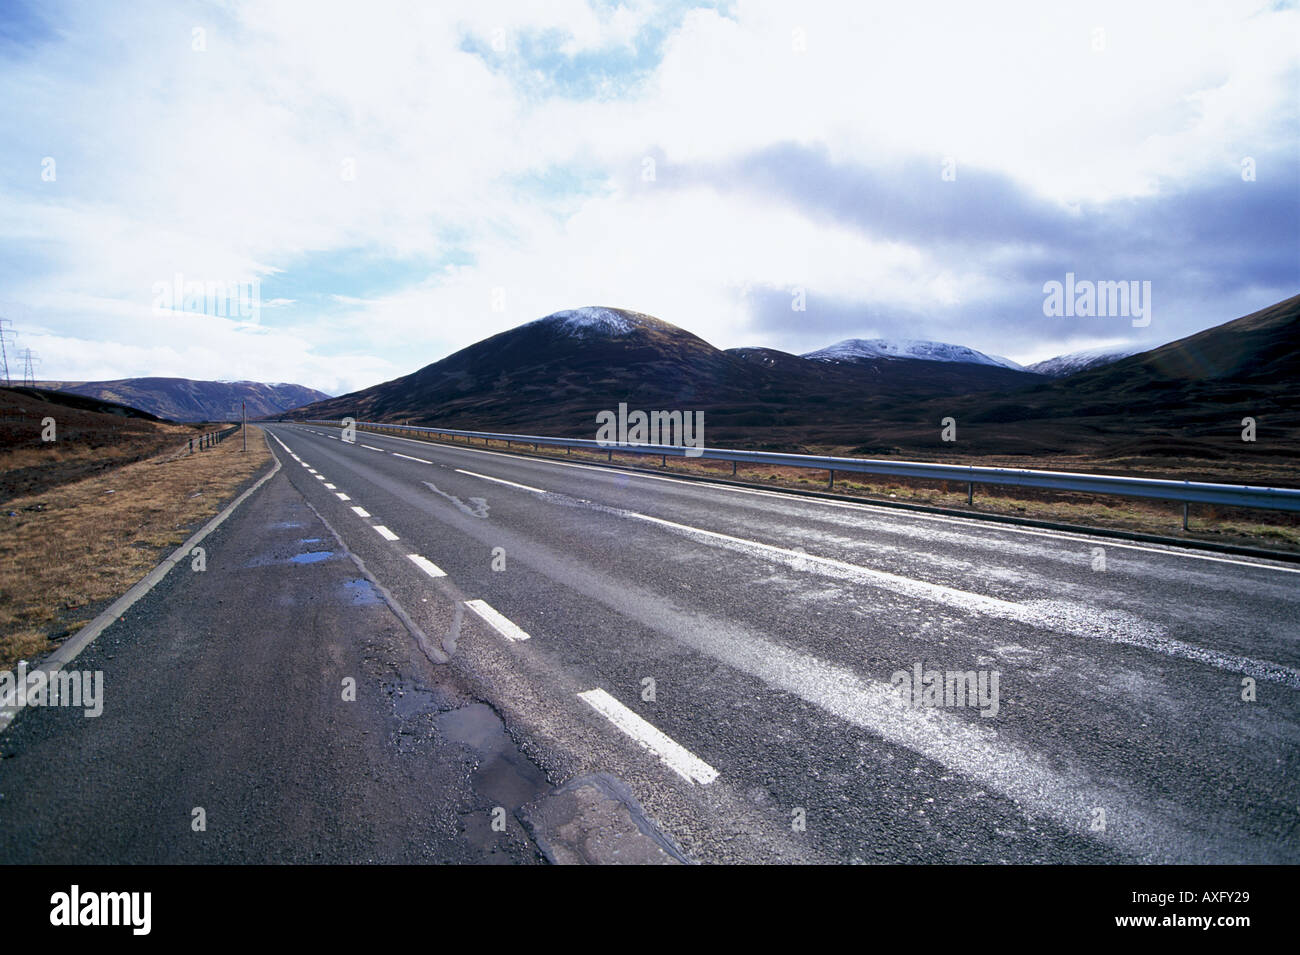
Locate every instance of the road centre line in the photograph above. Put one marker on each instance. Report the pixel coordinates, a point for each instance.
(488, 477)
(498, 621)
(673, 755)
(426, 565)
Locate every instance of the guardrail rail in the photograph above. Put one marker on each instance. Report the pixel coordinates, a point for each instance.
(1184, 492)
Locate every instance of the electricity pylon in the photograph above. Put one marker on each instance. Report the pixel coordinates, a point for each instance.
(30, 361)
(6, 330)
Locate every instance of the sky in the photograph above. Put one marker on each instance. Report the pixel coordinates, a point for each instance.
(361, 189)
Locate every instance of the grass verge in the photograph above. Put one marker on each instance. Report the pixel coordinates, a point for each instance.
(69, 551)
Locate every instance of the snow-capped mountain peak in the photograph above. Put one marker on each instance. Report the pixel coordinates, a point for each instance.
(852, 349)
(595, 320)
(1068, 364)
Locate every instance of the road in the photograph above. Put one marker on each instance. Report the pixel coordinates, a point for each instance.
(731, 655)
(771, 627)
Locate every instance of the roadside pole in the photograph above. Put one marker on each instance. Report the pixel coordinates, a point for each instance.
(243, 413)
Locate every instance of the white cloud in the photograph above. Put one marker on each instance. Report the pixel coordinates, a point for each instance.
(232, 162)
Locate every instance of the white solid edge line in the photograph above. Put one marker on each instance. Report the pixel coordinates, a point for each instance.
(675, 756)
(426, 565)
(876, 508)
(384, 532)
(360, 512)
(408, 457)
(500, 623)
(488, 477)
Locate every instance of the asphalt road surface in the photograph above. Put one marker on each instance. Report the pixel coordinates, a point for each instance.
(733, 656)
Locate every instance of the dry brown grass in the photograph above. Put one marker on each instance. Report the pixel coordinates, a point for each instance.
(70, 550)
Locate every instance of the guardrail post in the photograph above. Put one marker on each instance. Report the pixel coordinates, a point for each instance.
(733, 468)
(1186, 507)
(830, 483)
(970, 492)
(610, 457)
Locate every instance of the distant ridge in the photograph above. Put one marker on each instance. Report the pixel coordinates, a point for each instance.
(1063, 365)
(185, 399)
(857, 349)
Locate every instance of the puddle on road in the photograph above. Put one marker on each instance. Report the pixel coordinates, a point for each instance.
(311, 557)
(504, 774)
(411, 703)
(411, 699)
(475, 725)
(360, 592)
(307, 557)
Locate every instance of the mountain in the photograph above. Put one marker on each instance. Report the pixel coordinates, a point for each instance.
(553, 375)
(92, 437)
(183, 399)
(1063, 365)
(77, 402)
(1188, 395)
(869, 349)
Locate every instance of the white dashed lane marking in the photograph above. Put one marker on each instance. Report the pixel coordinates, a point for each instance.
(426, 565)
(497, 621)
(487, 477)
(676, 757)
